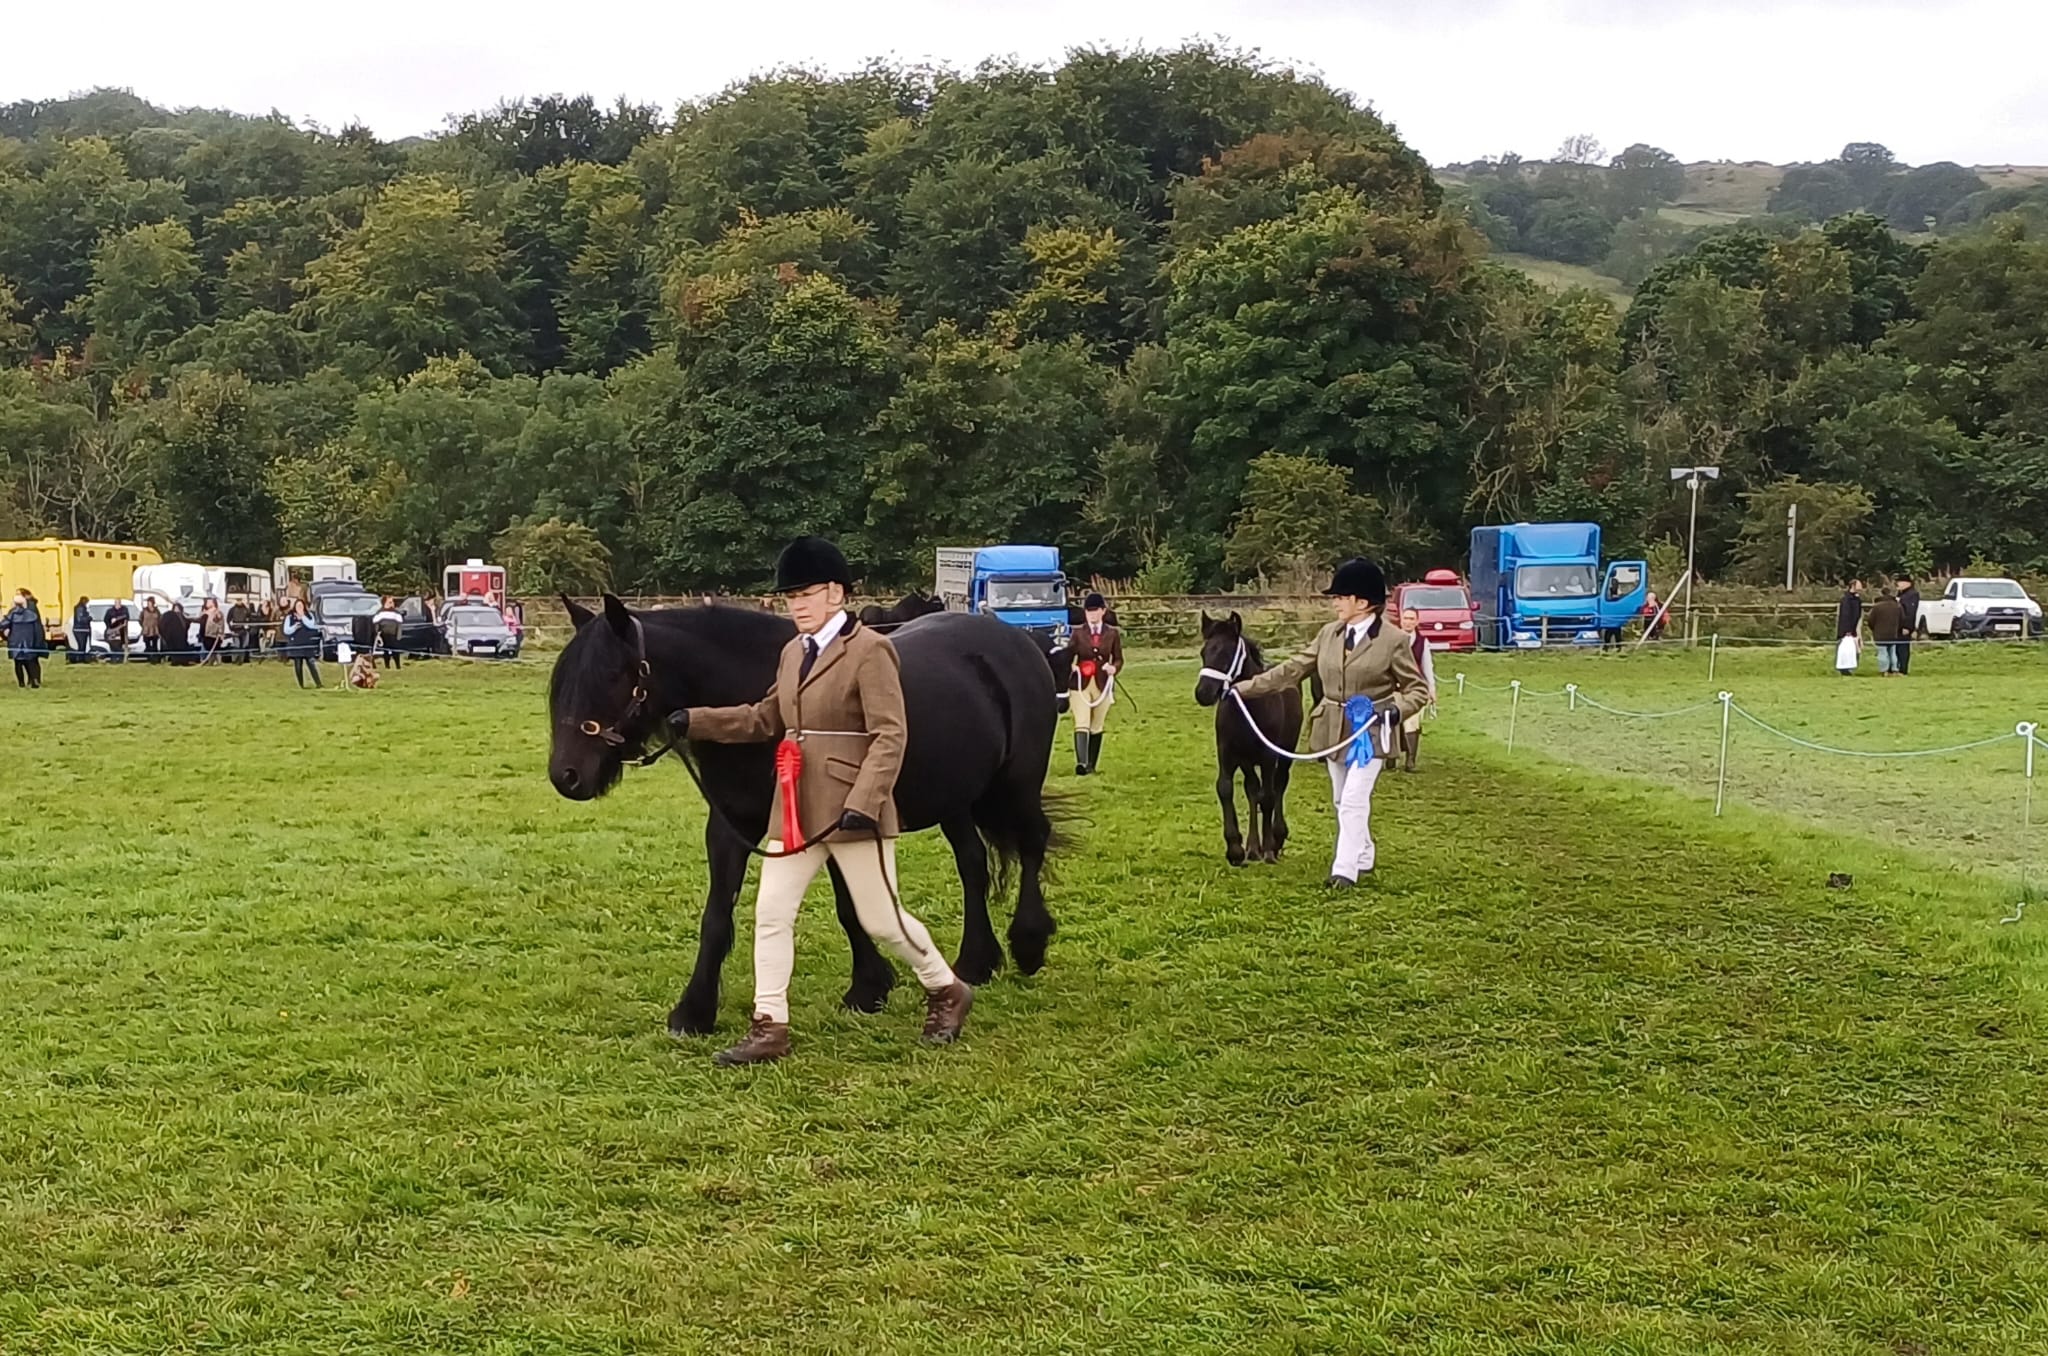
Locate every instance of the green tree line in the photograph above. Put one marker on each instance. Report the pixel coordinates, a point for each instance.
(1161, 308)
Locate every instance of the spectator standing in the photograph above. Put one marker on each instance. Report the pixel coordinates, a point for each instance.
(152, 623)
(81, 634)
(1849, 629)
(1909, 623)
(1884, 629)
(116, 626)
(177, 634)
(26, 641)
(238, 633)
(1654, 617)
(390, 625)
(302, 642)
(213, 628)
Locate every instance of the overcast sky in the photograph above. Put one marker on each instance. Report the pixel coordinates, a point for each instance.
(1734, 79)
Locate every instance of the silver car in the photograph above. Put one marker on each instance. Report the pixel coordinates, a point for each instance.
(479, 629)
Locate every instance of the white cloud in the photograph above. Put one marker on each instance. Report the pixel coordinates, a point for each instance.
(1461, 78)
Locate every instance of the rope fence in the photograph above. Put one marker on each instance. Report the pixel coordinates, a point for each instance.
(2026, 732)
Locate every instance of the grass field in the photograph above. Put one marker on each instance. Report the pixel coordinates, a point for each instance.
(1554, 274)
(332, 1030)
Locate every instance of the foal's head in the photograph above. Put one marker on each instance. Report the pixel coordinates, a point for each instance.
(1226, 651)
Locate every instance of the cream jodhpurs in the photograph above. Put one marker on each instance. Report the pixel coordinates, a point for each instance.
(1088, 707)
(783, 882)
(1351, 790)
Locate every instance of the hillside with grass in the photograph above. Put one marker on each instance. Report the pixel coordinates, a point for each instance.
(1582, 219)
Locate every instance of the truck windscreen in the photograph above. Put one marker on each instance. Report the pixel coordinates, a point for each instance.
(1010, 594)
(1555, 581)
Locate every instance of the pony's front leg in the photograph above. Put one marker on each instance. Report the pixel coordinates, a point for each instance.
(696, 1012)
(980, 954)
(1233, 837)
(873, 976)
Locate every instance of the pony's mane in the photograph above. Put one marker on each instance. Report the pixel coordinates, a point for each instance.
(716, 626)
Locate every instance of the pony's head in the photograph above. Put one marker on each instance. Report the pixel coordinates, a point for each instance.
(1225, 653)
(596, 717)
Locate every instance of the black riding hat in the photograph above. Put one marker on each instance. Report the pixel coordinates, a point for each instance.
(1093, 603)
(1359, 578)
(809, 561)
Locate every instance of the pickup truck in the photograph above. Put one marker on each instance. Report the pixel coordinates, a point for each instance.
(1981, 608)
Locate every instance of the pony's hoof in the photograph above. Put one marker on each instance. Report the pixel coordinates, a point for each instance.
(978, 967)
(1028, 950)
(867, 998)
(683, 1024)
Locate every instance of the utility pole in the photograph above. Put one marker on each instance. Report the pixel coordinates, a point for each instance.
(1692, 476)
(1791, 541)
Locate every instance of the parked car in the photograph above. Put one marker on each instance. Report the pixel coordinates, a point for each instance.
(1445, 607)
(98, 608)
(479, 629)
(1981, 608)
(337, 606)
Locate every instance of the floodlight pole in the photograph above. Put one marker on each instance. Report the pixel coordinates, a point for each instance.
(1692, 476)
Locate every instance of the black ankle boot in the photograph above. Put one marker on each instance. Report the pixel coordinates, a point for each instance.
(1094, 752)
(1080, 753)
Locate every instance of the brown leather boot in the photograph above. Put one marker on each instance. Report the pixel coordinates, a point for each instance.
(766, 1040)
(945, 1012)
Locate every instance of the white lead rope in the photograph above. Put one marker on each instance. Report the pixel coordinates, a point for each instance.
(1229, 681)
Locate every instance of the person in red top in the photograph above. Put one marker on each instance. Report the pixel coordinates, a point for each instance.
(1653, 618)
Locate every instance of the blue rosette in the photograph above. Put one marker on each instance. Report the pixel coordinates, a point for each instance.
(1358, 712)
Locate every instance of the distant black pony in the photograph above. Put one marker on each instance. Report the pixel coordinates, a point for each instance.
(908, 608)
(980, 738)
(1227, 649)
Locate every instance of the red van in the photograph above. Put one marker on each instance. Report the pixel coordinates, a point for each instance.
(1444, 606)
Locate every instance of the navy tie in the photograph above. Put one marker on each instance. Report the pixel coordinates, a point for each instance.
(1349, 637)
(810, 658)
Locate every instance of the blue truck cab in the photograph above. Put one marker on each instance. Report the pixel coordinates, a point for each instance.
(1021, 585)
(1538, 582)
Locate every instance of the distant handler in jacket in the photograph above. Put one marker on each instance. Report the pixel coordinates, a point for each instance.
(1357, 655)
(838, 695)
(1098, 657)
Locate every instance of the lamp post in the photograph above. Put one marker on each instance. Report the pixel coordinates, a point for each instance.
(1692, 476)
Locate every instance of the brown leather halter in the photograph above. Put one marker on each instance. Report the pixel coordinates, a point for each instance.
(614, 734)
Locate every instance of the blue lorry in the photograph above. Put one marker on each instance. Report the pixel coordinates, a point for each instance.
(1022, 585)
(1538, 583)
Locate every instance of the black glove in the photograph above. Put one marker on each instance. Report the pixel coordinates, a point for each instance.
(679, 724)
(853, 821)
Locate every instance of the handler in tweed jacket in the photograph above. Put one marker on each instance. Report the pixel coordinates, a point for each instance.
(838, 696)
(1358, 654)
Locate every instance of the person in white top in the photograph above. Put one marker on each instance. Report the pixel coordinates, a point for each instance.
(389, 626)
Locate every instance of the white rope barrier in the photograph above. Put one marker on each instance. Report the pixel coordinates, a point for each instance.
(1871, 753)
(2027, 732)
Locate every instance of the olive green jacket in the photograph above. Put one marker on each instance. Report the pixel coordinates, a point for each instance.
(1381, 667)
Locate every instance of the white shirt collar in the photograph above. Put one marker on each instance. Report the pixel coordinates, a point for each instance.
(823, 635)
(1358, 630)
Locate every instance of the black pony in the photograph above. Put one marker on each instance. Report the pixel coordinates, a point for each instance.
(1228, 650)
(908, 608)
(981, 728)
